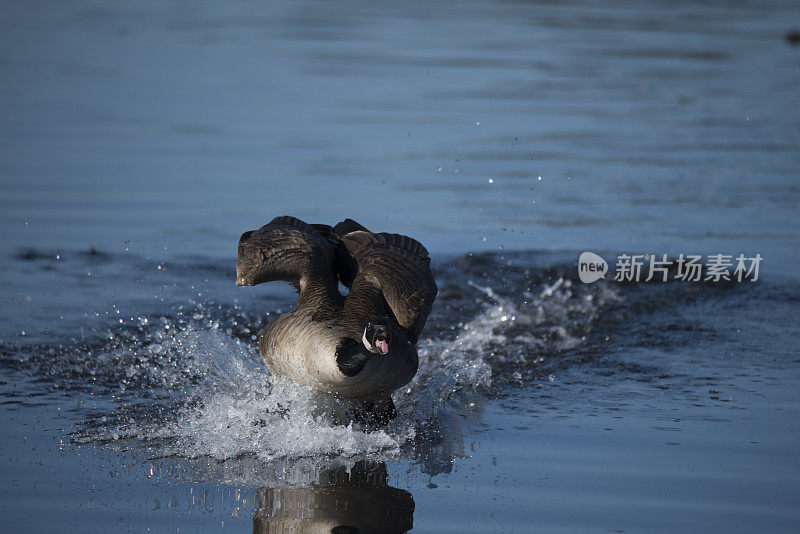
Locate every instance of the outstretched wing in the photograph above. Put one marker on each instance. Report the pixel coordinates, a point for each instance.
(287, 249)
(399, 266)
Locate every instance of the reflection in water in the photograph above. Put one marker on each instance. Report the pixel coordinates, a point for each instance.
(439, 439)
(359, 501)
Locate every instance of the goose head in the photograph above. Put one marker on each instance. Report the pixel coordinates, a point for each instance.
(376, 336)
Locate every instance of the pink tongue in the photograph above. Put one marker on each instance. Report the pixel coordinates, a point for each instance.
(382, 346)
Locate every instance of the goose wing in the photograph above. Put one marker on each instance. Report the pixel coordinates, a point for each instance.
(398, 265)
(287, 249)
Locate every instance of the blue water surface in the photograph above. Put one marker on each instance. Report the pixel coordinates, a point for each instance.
(139, 140)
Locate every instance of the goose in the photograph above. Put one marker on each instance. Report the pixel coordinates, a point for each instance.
(360, 346)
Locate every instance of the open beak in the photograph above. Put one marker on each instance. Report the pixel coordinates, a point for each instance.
(382, 342)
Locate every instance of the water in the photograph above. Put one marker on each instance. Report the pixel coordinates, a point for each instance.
(138, 142)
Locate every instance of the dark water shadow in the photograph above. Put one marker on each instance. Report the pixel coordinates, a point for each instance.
(359, 500)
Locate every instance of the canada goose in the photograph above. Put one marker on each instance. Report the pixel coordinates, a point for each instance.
(360, 346)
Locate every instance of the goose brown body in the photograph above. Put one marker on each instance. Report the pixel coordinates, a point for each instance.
(324, 342)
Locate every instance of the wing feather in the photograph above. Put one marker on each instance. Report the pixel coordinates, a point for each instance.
(400, 266)
(286, 249)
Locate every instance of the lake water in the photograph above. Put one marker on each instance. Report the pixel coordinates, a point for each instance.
(139, 141)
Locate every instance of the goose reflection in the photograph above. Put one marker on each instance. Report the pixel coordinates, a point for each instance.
(360, 501)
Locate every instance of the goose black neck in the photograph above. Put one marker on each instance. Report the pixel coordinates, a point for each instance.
(351, 356)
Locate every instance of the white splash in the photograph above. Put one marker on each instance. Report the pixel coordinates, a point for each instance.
(232, 407)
